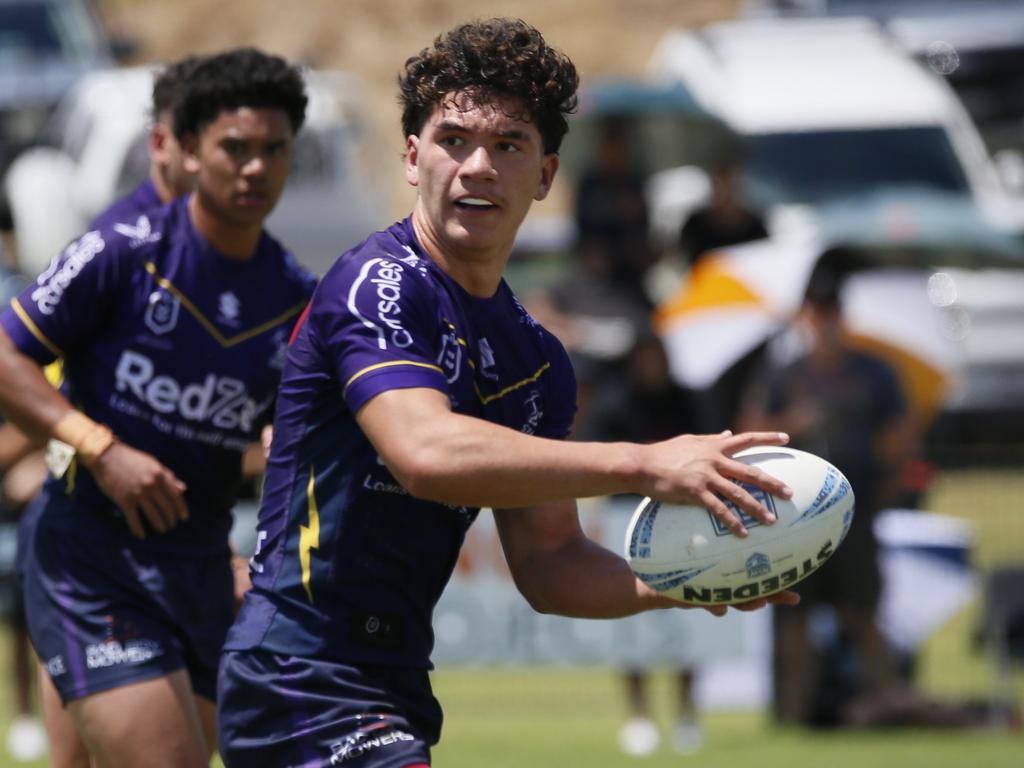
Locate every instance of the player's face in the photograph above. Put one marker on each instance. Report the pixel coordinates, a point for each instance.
(241, 161)
(477, 170)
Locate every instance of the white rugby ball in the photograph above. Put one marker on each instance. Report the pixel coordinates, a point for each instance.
(686, 553)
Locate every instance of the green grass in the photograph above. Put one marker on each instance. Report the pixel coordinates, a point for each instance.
(569, 717)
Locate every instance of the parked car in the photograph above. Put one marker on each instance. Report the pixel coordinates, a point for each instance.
(828, 110)
(977, 45)
(45, 46)
(331, 202)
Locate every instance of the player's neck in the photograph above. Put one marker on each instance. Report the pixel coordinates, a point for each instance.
(161, 185)
(230, 239)
(478, 271)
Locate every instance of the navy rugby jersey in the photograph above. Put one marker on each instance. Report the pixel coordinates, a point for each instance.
(143, 199)
(349, 565)
(177, 348)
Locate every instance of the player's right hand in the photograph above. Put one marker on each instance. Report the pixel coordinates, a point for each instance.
(141, 487)
(700, 469)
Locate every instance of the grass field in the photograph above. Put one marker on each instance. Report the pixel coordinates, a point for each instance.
(568, 717)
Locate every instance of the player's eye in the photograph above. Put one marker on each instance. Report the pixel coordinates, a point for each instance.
(452, 141)
(234, 147)
(277, 149)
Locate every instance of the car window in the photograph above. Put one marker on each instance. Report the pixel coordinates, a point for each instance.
(810, 166)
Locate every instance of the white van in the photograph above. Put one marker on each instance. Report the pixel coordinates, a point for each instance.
(831, 109)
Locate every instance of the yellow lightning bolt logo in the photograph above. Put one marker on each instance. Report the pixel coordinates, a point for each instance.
(309, 536)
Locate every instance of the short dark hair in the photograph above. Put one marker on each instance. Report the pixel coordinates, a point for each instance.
(498, 57)
(170, 83)
(242, 77)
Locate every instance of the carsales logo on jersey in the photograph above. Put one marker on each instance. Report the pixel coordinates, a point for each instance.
(220, 400)
(383, 302)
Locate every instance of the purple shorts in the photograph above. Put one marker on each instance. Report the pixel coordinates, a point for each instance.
(275, 710)
(104, 611)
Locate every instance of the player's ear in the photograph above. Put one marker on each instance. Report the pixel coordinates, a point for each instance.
(548, 170)
(412, 156)
(158, 136)
(190, 152)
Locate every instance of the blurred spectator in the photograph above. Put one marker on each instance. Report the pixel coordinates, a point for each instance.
(594, 315)
(725, 220)
(168, 178)
(611, 208)
(640, 403)
(846, 406)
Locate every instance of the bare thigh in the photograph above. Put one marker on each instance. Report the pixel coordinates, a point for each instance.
(66, 748)
(149, 724)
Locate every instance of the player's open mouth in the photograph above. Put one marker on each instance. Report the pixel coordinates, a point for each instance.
(474, 204)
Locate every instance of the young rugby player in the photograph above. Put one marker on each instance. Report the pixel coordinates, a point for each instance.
(417, 390)
(172, 329)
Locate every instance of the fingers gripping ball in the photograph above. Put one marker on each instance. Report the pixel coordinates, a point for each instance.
(687, 554)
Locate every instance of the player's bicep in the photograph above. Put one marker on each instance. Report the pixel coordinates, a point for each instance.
(398, 422)
(66, 301)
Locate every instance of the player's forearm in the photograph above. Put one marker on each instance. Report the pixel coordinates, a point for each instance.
(476, 463)
(588, 582)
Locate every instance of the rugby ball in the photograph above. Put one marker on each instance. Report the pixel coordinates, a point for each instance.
(686, 553)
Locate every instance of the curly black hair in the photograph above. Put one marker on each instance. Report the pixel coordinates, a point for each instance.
(170, 83)
(484, 59)
(242, 77)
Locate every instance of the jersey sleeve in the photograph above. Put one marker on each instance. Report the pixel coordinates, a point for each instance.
(68, 300)
(376, 322)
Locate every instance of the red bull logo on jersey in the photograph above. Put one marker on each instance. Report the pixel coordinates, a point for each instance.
(56, 278)
(222, 401)
(379, 309)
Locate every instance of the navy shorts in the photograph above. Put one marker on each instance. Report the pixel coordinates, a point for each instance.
(279, 711)
(104, 610)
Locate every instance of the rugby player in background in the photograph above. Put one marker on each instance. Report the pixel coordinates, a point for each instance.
(172, 329)
(417, 390)
(168, 178)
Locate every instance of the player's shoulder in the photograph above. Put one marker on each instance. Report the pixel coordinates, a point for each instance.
(139, 233)
(387, 262)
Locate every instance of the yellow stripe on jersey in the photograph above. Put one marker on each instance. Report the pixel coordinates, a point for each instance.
(389, 364)
(309, 536)
(224, 341)
(33, 328)
(485, 399)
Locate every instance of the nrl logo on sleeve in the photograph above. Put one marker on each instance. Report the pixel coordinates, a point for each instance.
(161, 312)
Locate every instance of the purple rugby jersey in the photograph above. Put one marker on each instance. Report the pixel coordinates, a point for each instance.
(175, 347)
(349, 565)
(127, 210)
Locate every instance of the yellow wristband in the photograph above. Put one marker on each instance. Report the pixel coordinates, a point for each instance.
(89, 439)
